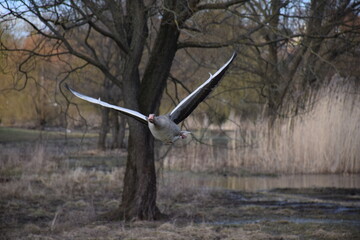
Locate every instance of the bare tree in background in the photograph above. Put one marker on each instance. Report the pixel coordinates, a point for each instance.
(111, 93)
(300, 43)
(288, 47)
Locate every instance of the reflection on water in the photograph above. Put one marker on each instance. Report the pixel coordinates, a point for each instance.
(293, 220)
(257, 183)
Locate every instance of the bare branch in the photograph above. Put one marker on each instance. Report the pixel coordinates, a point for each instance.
(221, 5)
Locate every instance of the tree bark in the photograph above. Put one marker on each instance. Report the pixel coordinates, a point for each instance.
(122, 127)
(272, 71)
(139, 195)
(118, 130)
(104, 128)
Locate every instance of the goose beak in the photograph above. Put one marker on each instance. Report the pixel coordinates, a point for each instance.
(151, 118)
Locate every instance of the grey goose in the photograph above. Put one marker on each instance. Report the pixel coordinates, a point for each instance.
(164, 127)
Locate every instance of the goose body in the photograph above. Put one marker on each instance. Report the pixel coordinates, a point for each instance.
(164, 127)
(165, 130)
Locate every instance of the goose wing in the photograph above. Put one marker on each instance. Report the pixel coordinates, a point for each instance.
(134, 114)
(188, 104)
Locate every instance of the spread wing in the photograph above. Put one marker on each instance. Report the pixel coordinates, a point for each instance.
(188, 104)
(134, 114)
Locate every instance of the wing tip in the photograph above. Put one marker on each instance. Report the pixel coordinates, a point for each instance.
(233, 56)
(68, 88)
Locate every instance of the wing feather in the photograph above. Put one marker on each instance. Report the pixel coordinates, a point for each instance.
(134, 114)
(188, 104)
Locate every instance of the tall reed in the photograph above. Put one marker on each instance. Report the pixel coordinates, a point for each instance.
(323, 140)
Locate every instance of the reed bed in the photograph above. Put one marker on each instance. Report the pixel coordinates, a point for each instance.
(326, 139)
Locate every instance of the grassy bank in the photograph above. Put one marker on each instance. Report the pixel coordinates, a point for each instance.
(44, 199)
(10, 135)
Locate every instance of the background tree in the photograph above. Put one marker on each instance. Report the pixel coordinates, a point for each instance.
(286, 47)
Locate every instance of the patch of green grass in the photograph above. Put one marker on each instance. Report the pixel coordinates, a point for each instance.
(20, 134)
(10, 173)
(17, 134)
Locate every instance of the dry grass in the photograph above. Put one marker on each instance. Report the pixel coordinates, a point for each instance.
(323, 140)
(37, 171)
(165, 231)
(45, 199)
(39, 193)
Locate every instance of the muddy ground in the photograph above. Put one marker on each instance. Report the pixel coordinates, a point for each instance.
(43, 196)
(192, 214)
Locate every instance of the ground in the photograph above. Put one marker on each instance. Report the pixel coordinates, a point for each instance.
(45, 195)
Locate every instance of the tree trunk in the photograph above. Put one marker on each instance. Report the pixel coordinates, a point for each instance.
(139, 195)
(114, 129)
(122, 126)
(104, 128)
(118, 130)
(273, 80)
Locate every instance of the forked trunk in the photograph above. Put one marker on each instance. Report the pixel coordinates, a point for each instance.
(139, 194)
(144, 177)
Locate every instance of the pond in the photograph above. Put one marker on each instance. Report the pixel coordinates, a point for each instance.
(259, 183)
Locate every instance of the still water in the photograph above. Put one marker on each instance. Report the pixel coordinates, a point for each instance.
(258, 183)
(248, 183)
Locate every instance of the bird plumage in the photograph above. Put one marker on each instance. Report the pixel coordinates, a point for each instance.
(165, 127)
(188, 104)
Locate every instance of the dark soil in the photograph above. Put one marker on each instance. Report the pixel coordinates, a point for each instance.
(277, 214)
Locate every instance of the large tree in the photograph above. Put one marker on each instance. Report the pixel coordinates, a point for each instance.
(132, 26)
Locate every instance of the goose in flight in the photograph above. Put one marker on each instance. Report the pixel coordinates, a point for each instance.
(164, 127)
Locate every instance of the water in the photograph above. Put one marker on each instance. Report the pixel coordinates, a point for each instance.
(325, 200)
(259, 183)
(288, 219)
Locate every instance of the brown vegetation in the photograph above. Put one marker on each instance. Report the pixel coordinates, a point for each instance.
(326, 139)
(45, 198)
